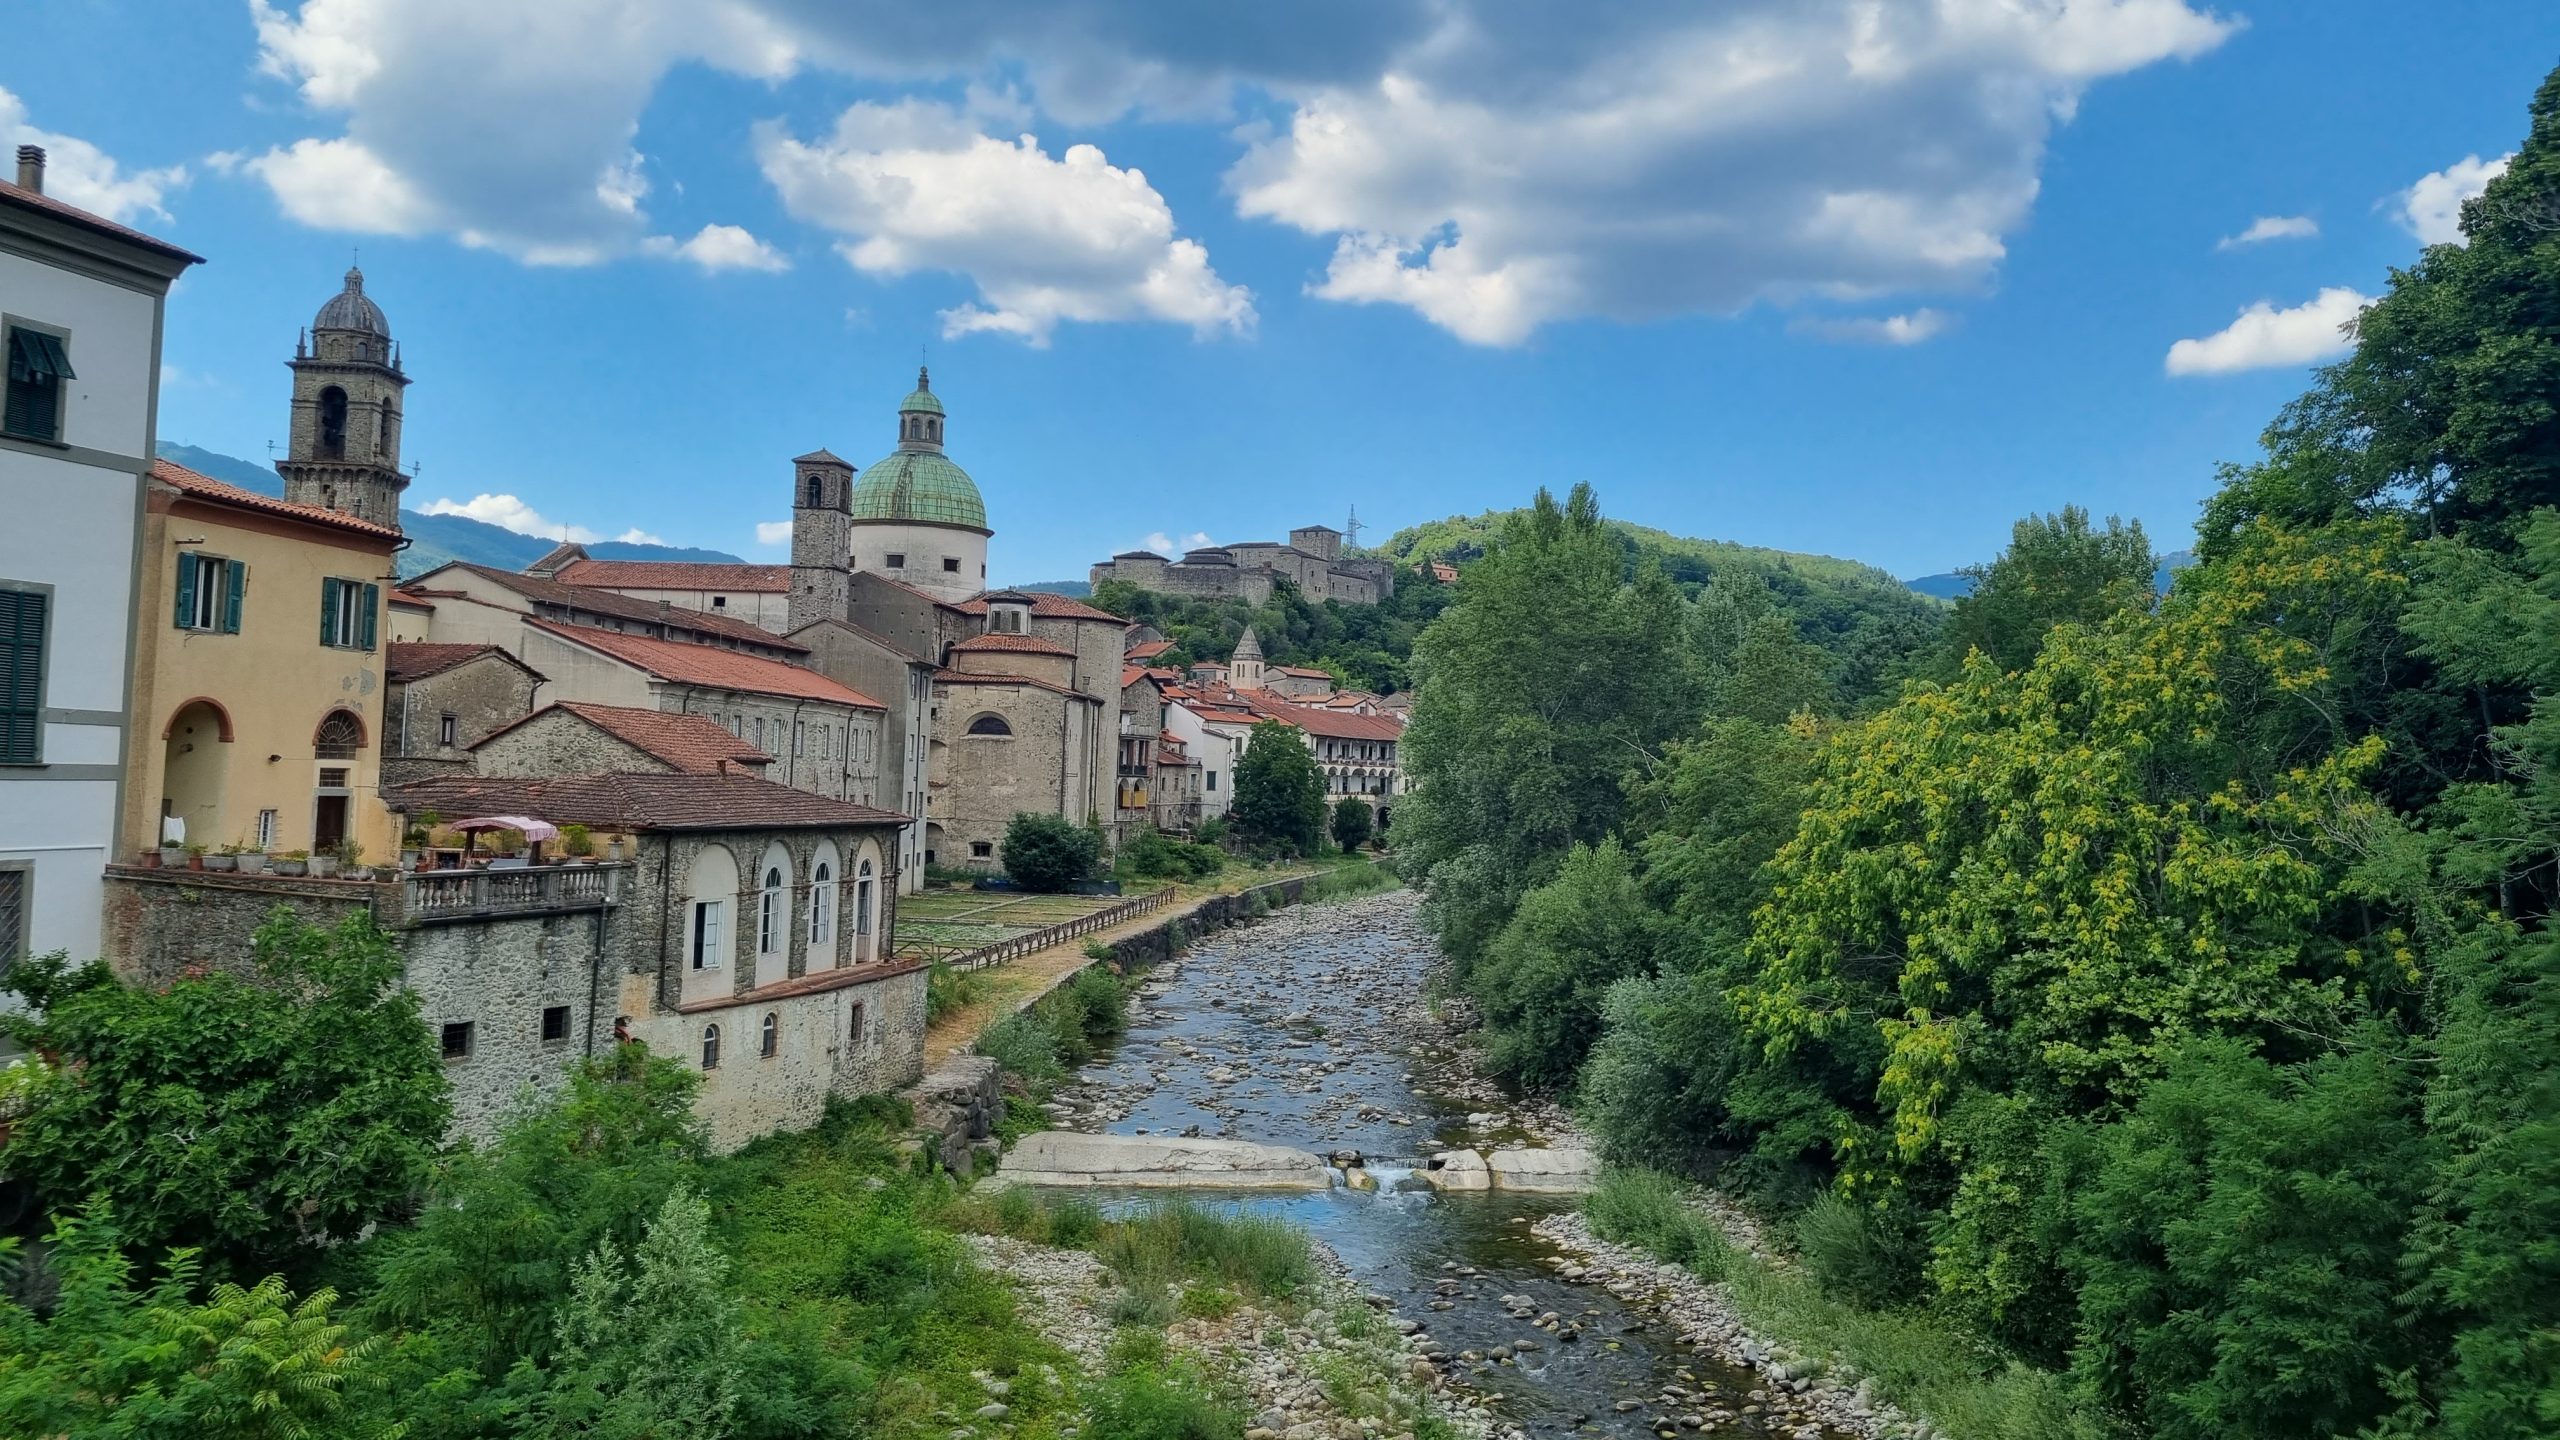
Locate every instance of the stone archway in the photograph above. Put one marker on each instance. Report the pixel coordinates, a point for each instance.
(195, 771)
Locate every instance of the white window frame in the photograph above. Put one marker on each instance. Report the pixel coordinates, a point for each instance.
(704, 933)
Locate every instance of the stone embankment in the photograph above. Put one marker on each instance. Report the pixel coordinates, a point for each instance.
(1071, 1159)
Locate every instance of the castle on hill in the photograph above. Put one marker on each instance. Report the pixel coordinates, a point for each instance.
(1312, 561)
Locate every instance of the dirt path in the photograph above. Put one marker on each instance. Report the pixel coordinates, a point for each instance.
(1016, 983)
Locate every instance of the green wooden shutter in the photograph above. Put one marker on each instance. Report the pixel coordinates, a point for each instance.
(328, 611)
(236, 587)
(372, 602)
(22, 615)
(186, 589)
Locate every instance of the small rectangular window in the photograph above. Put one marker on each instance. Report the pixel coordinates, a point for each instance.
(855, 1030)
(22, 669)
(896, 561)
(457, 1040)
(448, 726)
(951, 564)
(38, 363)
(1213, 779)
(719, 602)
(982, 850)
(799, 735)
(555, 1022)
(266, 829)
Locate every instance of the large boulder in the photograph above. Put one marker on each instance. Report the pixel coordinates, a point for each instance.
(1552, 1170)
(1457, 1170)
(1067, 1158)
(961, 1102)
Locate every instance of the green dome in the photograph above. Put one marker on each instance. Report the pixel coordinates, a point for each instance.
(920, 486)
(921, 398)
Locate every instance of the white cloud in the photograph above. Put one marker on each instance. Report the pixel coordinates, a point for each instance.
(773, 532)
(2265, 337)
(79, 173)
(1911, 329)
(340, 185)
(915, 186)
(2432, 208)
(2271, 227)
(720, 247)
(509, 513)
(1166, 545)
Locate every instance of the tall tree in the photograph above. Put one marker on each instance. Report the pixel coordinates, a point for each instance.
(1279, 797)
(2058, 569)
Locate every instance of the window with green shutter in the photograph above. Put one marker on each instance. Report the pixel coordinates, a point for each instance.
(348, 611)
(22, 639)
(210, 591)
(38, 363)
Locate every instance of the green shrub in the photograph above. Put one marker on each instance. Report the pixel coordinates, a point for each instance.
(1181, 1239)
(947, 990)
(1024, 1047)
(1353, 821)
(1049, 852)
(1643, 1208)
(1862, 1253)
(1151, 1402)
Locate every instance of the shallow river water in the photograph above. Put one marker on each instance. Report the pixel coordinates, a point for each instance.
(1307, 1031)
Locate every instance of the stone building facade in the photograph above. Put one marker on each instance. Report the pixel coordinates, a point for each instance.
(444, 699)
(572, 737)
(1312, 560)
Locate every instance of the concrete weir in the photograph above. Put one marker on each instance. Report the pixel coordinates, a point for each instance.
(1067, 1158)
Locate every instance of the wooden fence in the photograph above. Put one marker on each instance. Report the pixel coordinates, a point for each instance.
(1023, 944)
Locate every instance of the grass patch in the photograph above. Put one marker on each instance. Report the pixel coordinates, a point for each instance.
(1959, 1383)
(1180, 1239)
(1348, 879)
(1161, 1400)
(947, 990)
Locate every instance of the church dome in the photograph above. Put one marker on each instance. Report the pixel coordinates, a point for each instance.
(920, 486)
(349, 309)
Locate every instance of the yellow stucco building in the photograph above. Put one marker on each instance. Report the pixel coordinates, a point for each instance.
(258, 672)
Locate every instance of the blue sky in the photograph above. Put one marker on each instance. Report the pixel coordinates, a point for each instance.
(1862, 279)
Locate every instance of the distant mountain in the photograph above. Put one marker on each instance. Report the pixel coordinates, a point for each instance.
(1074, 589)
(438, 539)
(1952, 586)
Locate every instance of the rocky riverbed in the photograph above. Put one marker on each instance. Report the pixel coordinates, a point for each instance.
(1321, 1028)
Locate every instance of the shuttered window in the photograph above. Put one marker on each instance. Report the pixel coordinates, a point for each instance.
(22, 637)
(38, 364)
(210, 592)
(347, 610)
(15, 902)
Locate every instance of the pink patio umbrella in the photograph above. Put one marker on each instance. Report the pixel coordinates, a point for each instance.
(534, 830)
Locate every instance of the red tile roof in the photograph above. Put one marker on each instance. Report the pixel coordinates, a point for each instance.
(1016, 645)
(606, 602)
(637, 802)
(676, 575)
(816, 982)
(1332, 724)
(1304, 672)
(405, 660)
(709, 665)
(693, 744)
(1044, 604)
(964, 677)
(1149, 650)
(77, 216)
(204, 487)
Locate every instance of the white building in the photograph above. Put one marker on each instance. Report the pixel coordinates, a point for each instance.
(80, 310)
(1216, 738)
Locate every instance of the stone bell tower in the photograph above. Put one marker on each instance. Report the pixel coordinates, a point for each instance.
(821, 538)
(344, 450)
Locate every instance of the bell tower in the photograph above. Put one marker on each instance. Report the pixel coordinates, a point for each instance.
(344, 450)
(821, 538)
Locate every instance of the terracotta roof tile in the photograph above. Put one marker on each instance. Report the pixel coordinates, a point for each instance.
(1332, 724)
(606, 602)
(710, 665)
(1016, 645)
(964, 677)
(1304, 672)
(638, 802)
(405, 660)
(205, 487)
(1044, 604)
(73, 213)
(677, 575)
(694, 744)
(1149, 650)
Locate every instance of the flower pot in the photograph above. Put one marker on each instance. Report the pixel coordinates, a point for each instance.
(355, 872)
(324, 866)
(408, 859)
(295, 868)
(251, 863)
(221, 862)
(172, 857)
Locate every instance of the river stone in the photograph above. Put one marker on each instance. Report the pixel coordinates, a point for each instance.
(1458, 1170)
(1549, 1170)
(1065, 1158)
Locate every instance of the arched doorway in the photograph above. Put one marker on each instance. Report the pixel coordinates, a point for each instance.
(195, 769)
(339, 737)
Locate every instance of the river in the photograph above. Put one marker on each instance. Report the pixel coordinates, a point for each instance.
(1312, 1029)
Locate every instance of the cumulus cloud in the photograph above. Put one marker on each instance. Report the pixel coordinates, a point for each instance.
(915, 186)
(79, 173)
(2432, 208)
(2265, 337)
(773, 532)
(509, 513)
(720, 247)
(2271, 227)
(1910, 329)
(1167, 546)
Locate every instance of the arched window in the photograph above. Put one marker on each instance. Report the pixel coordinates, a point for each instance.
(862, 900)
(340, 736)
(710, 1047)
(769, 914)
(821, 914)
(713, 881)
(772, 1043)
(333, 424)
(990, 725)
(814, 492)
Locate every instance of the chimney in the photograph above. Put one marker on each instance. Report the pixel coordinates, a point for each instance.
(31, 168)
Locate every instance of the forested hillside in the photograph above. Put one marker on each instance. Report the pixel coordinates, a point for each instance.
(2154, 1009)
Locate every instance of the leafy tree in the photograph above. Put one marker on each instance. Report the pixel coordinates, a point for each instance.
(112, 1360)
(1542, 980)
(1279, 796)
(1351, 819)
(2058, 569)
(1049, 852)
(650, 1350)
(249, 1115)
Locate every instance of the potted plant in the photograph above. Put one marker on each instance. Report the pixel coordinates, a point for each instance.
(172, 854)
(324, 864)
(292, 862)
(577, 845)
(351, 864)
(617, 850)
(250, 859)
(225, 858)
(417, 837)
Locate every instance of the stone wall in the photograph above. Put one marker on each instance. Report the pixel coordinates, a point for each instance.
(161, 923)
(500, 977)
(816, 1053)
(482, 695)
